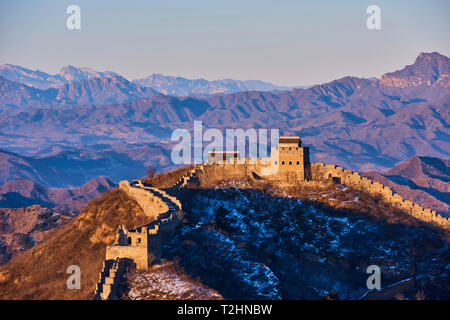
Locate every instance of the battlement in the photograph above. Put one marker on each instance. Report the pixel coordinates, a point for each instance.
(322, 172)
(139, 247)
(289, 164)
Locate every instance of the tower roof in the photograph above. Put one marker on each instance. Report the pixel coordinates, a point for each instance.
(290, 139)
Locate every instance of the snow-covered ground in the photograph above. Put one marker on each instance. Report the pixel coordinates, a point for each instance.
(248, 245)
(164, 282)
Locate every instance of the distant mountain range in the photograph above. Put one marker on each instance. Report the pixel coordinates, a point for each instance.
(29, 213)
(182, 87)
(23, 193)
(69, 169)
(41, 80)
(175, 86)
(15, 96)
(354, 122)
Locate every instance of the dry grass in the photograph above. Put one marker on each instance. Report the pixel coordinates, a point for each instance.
(40, 273)
(167, 179)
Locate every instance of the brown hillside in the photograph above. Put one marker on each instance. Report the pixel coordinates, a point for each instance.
(167, 179)
(21, 228)
(40, 273)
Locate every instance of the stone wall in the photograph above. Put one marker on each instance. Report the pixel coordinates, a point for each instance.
(321, 172)
(142, 246)
(164, 209)
(150, 204)
(138, 254)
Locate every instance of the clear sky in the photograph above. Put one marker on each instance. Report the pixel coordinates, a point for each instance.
(284, 42)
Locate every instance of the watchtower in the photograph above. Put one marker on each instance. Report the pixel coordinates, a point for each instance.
(293, 159)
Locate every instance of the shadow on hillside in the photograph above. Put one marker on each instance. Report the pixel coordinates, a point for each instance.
(248, 244)
(16, 200)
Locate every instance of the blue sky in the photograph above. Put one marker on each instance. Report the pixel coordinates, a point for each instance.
(284, 42)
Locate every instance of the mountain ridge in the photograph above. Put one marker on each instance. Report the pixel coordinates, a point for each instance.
(42, 80)
(180, 86)
(176, 86)
(422, 180)
(23, 193)
(353, 122)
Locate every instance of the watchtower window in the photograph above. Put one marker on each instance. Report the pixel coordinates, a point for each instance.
(129, 240)
(290, 163)
(276, 162)
(139, 240)
(282, 163)
(290, 148)
(298, 162)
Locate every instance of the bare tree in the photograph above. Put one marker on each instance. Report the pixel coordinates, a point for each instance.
(151, 172)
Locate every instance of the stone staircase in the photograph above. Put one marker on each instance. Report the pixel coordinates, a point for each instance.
(111, 276)
(111, 279)
(110, 284)
(189, 177)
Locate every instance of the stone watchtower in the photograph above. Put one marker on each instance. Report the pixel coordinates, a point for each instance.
(293, 159)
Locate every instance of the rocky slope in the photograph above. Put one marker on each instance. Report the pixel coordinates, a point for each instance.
(29, 213)
(23, 228)
(425, 78)
(40, 272)
(167, 281)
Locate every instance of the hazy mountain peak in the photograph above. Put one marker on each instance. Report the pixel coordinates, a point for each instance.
(427, 69)
(71, 73)
(179, 86)
(431, 56)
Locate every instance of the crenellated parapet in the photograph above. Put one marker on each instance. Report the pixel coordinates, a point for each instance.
(151, 204)
(138, 248)
(288, 165)
(322, 172)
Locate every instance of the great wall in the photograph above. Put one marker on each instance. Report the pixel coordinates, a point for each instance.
(137, 249)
